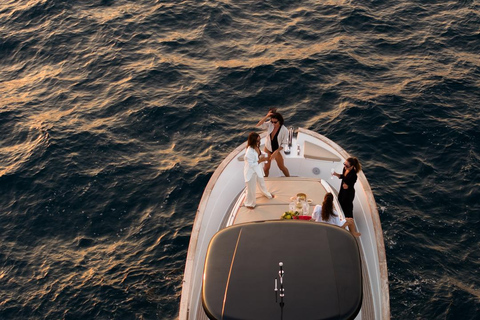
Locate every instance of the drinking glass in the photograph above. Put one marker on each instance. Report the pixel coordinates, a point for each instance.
(291, 206)
(305, 208)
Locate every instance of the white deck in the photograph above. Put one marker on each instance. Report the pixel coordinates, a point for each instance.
(312, 157)
(283, 189)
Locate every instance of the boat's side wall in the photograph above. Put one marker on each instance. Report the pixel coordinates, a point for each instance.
(208, 226)
(379, 244)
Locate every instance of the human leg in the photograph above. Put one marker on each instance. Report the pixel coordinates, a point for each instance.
(351, 227)
(250, 199)
(263, 187)
(266, 166)
(281, 164)
(347, 207)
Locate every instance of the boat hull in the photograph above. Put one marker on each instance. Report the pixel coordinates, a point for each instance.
(312, 156)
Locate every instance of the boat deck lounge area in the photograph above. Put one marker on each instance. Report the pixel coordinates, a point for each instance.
(283, 189)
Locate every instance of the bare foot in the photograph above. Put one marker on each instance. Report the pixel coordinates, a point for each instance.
(356, 234)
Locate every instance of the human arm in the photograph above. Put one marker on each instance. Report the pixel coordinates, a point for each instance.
(262, 158)
(339, 175)
(251, 157)
(262, 121)
(349, 179)
(275, 153)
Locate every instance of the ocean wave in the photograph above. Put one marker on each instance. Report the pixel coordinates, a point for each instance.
(114, 115)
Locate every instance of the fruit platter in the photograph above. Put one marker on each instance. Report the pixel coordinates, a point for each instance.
(290, 215)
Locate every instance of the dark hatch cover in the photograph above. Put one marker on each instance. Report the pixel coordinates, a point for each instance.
(322, 279)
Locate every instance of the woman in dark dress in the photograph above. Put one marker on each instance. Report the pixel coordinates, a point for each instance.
(347, 191)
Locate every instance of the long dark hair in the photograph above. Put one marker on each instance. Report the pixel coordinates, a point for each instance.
(252, 139)
(277, 116)
(327, 207)
(355, 163)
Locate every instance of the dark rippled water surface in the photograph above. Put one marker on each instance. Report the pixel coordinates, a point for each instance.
(114, 114)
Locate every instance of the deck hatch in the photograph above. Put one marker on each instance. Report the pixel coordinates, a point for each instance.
(324, 279)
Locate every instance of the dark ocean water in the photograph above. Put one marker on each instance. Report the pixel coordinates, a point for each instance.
(114, 115)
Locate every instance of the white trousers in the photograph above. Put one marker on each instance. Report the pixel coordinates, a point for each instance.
(254, 181)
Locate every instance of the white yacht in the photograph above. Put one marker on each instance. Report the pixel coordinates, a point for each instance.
(251, 264)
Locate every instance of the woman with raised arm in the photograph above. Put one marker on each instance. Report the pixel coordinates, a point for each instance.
(351, 167)
(277, 139)
(253, 172)
(326, 213)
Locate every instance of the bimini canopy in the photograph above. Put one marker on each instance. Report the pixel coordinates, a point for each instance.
(317, 265)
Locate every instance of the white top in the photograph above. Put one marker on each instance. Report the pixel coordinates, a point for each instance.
(317, 216)
(282, 135)
(251, 165)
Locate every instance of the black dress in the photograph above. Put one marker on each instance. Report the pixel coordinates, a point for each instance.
(346, 196)
(274, 140)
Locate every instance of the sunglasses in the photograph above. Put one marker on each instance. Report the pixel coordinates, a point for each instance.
(274, 122)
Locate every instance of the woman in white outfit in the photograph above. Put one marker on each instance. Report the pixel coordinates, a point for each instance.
(326, 213)
(253, 171)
